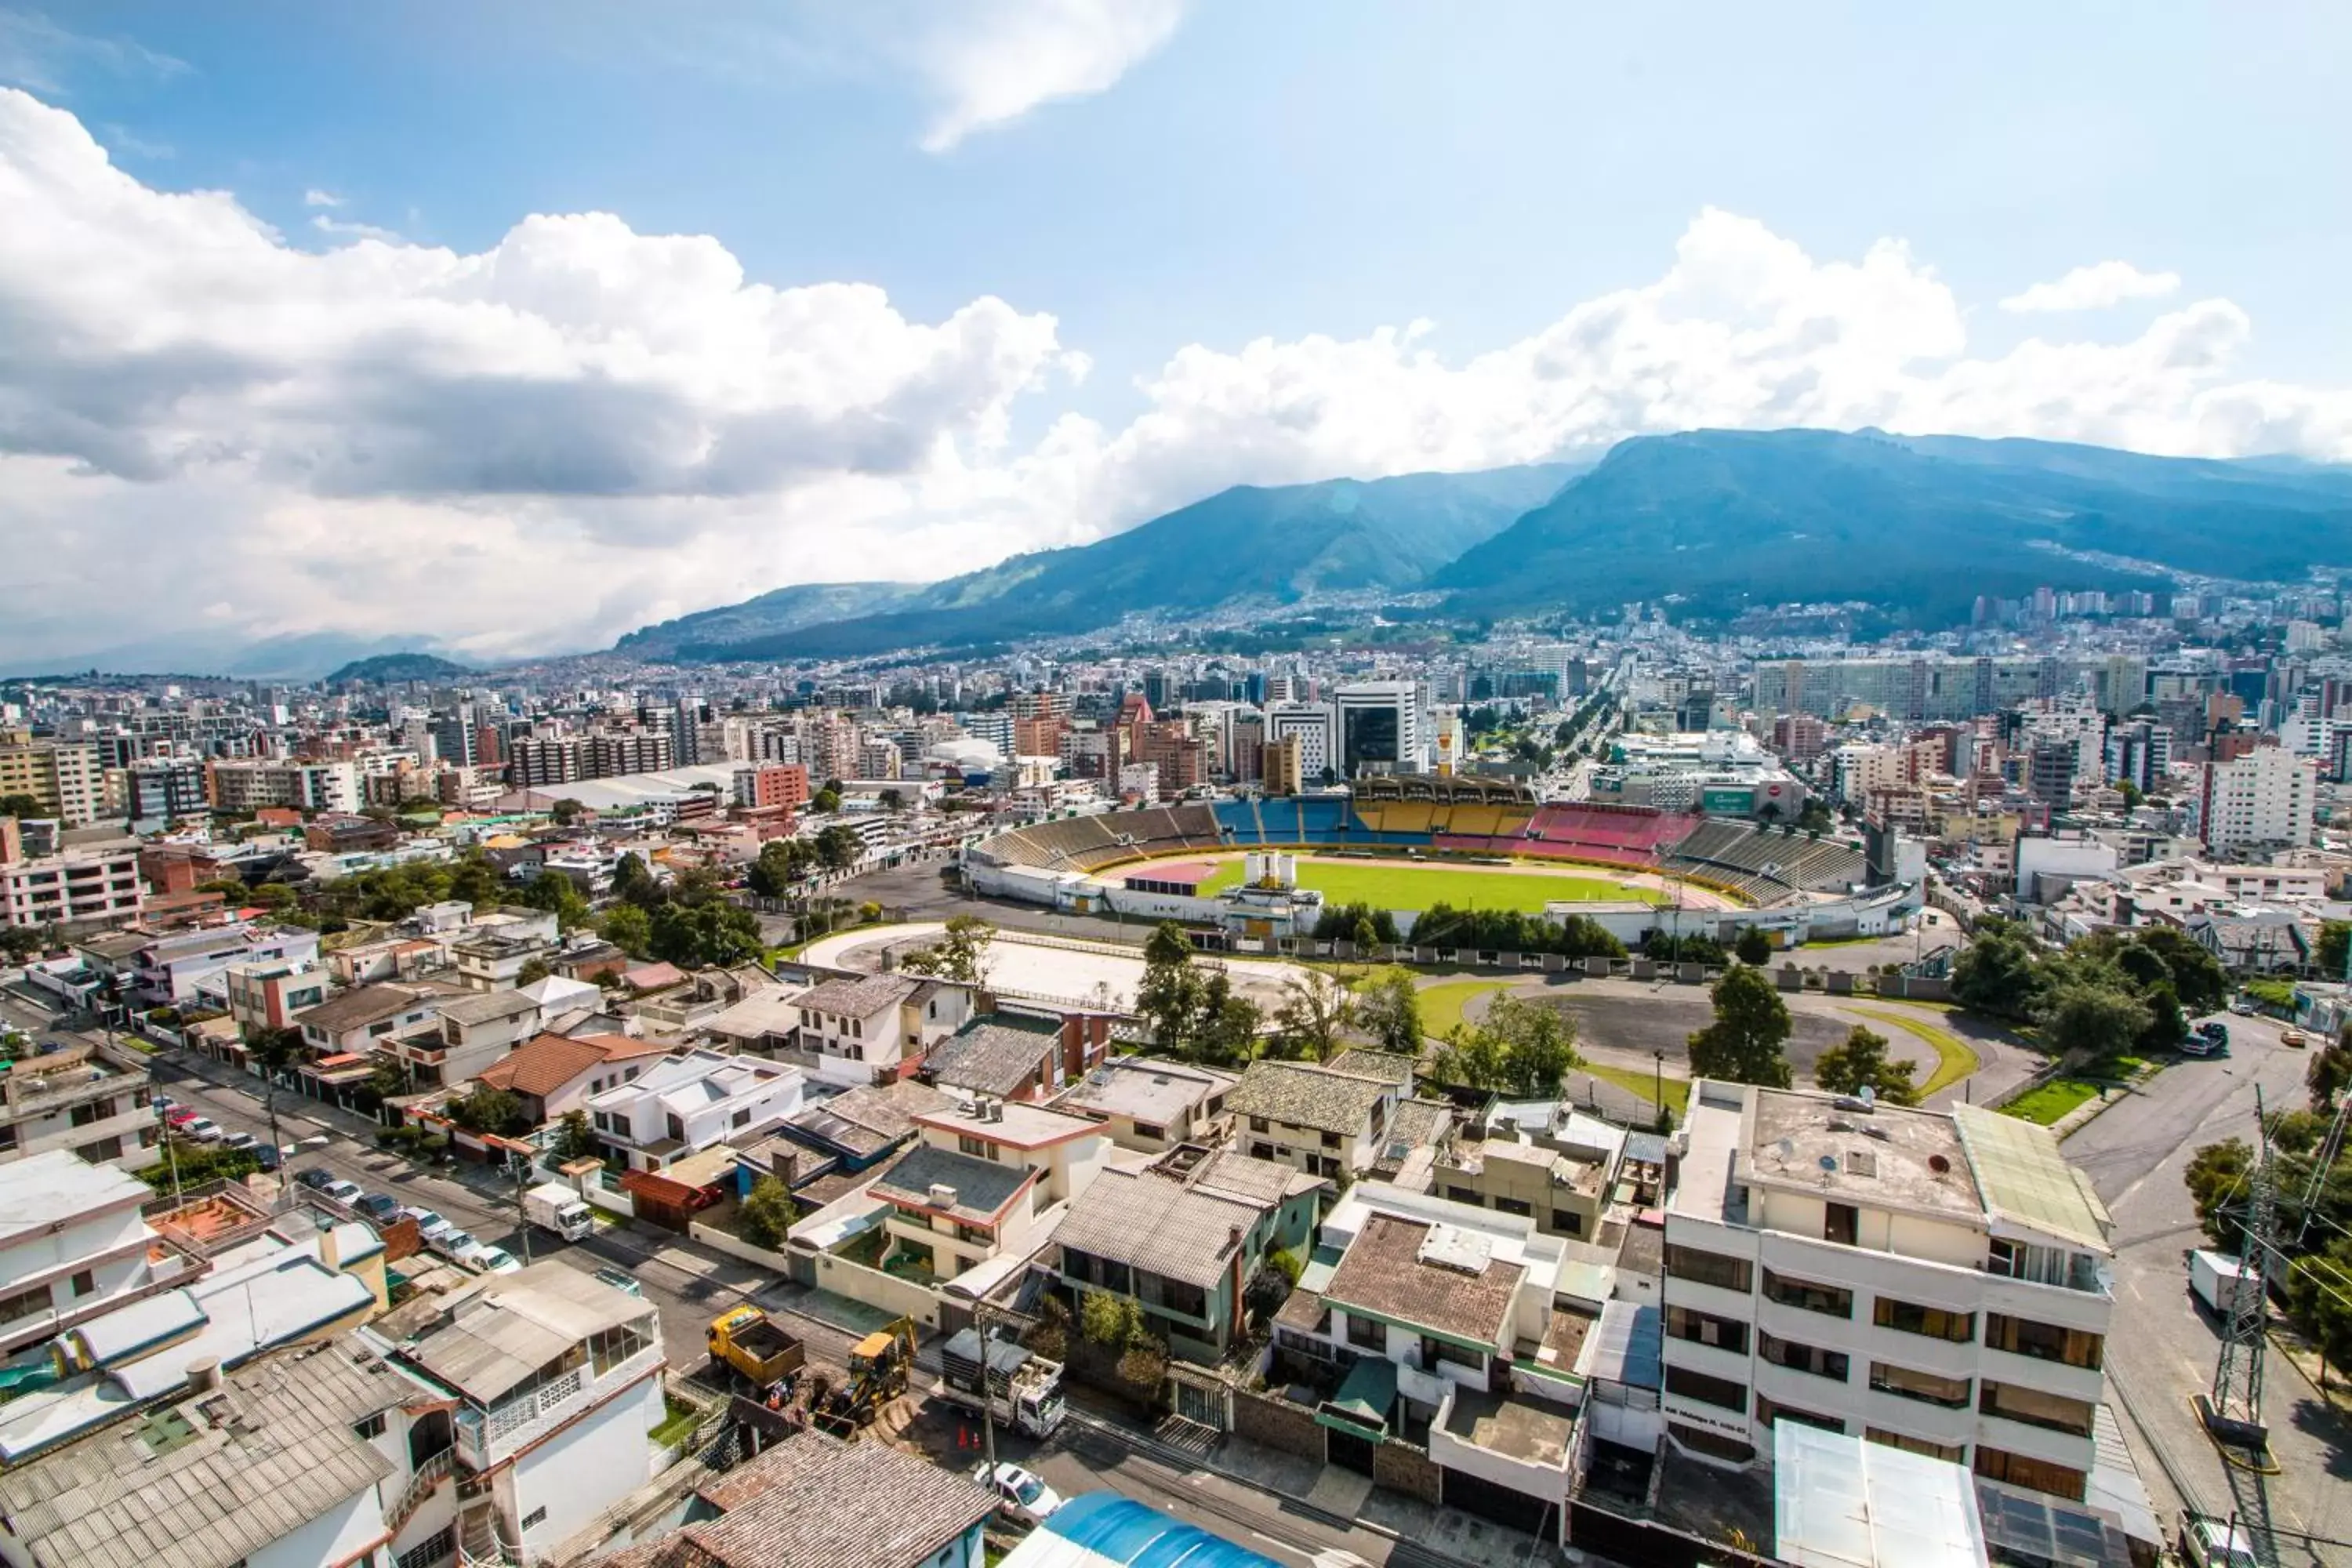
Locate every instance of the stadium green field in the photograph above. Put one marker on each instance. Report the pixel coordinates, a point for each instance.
(1407, 887)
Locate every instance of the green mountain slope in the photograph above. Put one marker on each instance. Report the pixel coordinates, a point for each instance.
(393, 667)
(1277, 544)
(1919, 526)
(784, 610)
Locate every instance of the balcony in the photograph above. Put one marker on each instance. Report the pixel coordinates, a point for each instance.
(485, 1438)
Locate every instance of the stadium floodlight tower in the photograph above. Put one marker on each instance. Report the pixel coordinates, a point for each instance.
(2233, 1410)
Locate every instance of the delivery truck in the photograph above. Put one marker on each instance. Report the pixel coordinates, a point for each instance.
(553, 1207)
(2217, 1280)
(1023, 1389)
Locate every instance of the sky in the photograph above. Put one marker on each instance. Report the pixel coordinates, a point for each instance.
(512, 328)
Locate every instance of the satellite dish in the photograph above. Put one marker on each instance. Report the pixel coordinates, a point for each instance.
(1829, 1162)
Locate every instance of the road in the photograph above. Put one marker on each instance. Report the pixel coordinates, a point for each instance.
(2161, 1347)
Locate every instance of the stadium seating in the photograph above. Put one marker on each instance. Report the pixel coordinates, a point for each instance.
(1609, 836)
(1766, 866)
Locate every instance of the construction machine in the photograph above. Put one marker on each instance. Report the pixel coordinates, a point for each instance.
(879, 1367)
(753, 1350)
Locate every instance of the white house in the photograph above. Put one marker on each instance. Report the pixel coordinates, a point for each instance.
(1325, 1122)
(872, 1028)
(684, 1103)
(72, 1245)
(982, 1177)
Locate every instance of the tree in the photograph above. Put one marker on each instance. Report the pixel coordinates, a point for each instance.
(1387, 1008)
(556, 893)
(1538, 1044)
(765, 1216)
(1109, 1319)
(2216, 1179)
(488, 1110)
(1225, 1024)
(1995, 974)
(574, 1138)
(1751, 1024)
(1752, 946)
(2198, 980)
(960, 953)
(1315, 1009)
(386, 1076)
(1861, 1062)
(273, 1051)
(838, 847)
(2330, 1073)
(782, 863)
(533, 972)
(2328, 957)
(19, 804)
(2131, 794)
(828, 801)
(630, 929)
(568, 811)
(634, 881)
(1169, 996)
(703, 935)
(1267, 1292)
(1471, 1057)
(2319, 1296)
(2086, 1022)
(274, 897)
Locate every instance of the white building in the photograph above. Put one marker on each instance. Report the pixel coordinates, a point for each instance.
(982, 1180)
(1935, 1282)
(1324, 1121)
(79, 887)
(1381, 728)
(84, 1100)
(875, 1027)
(72, 1245)
(248, 786)
(685, 1103)
(1316, 728)
(2263, 800)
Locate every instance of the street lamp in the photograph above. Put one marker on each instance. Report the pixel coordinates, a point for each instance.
(1658, 1084)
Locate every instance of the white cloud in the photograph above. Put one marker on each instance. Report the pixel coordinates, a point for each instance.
(2100, 287)
(583, 428)
(347, 229)
(39, 53)
(993, 61)
(315, 197)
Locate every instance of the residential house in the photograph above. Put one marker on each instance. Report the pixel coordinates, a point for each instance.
(976, 1184)
(554, 1382)
(1009, 1054)
(554, 1075)
(683, 1104)
(475, 1029)
(264, 994)
(868, 1028)
(73, 1244)
(169, 969)
(1325, 1122)
(1936, 1280)
(690, 1001)
(321, 1455)
(92, 1100)
(389, 958)
(493, 952)
(763, 1023)
(1153, 1104)
(810, 1502)
(823, 1150)
(1553, 1165)
(1184, 1237)
(365, 1017)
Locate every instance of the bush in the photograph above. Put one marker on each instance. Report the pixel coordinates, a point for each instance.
(765, 1216)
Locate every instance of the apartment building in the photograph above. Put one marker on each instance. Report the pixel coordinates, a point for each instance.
(170, 970)
(253, 783)
(476, 1030)
(2260, 801)
(496, 948)
(1556, 1168)
(72, 1245)
(550, 1382)
(164, 789)
(67, 780)
(79, 888)
(1325, 1122)
(82, 1099)
(266, 993)
(683, 1104)
(1936, 1281)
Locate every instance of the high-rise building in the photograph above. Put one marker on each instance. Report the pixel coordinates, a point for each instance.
(66, 780)
(164, 789)
(2263, 799)
(1313, 727)
(1380, 730)
(2050, 772)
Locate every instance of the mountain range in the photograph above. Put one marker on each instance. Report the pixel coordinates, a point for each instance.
(1716, 521)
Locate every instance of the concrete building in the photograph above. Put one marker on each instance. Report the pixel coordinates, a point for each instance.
(476, 1030)
(67, 780)
(1557, 1171)
(1938, 1282)
(166, 789)
(1313, 729)
(72, 1245)
(684, 1104)
(92, 1100)
(2260, 801)
(554, 1075)
(981, 1181)
(266, 993)
(245, 785)
(171, 969)
(872, 1028)
(368, 1016)
(80, 887)
(1381, 728)
(1325, 1122)
(1153, 1104)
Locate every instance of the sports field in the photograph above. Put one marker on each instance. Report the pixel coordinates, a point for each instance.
(1404, 886)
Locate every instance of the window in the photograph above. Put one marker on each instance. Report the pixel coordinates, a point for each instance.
(741, 1117)
(1933, 1322)
(1928, 1387)
(369, 1426)
(977, 1147)
(537, 1516)
(1434, 1352)
(2035, 1475)
(2034, 1407)
(2045, 1341)
(1155, 1134)
(1771, 1411)
(629, 1074)
(103, 1151)
(1567, 1222)
(1948, 1452)
(1258, 1124)
(1513, 1206)
(91, 1110)
(84, 1282)
(1831, 1301)
(1719, 1392)
(23, 1304)
(1706, 1328)
(1365, 1333)
(1709, 1269)
(1463, 1195)
(1809, 1359)
(1331, 1139)
(1839, 1222)
(676, 1125)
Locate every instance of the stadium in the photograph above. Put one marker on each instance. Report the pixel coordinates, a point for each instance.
(1267, 867)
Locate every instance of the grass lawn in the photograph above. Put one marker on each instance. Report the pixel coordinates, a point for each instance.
(1444, 1005)
(2045, 1103)
(679, 1421)
(1634, 1081)
(1955, 1058)
(1397, 886)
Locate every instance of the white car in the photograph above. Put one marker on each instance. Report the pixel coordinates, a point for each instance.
(343, 1192)
(428, 1224)
(1020, 1493)
(2211, 1544)
(203, 1130)
(2243, 1007)
(241, 1141)
(454, 1243)
(492, 1260)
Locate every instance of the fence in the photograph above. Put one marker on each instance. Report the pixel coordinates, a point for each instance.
(887, 1292)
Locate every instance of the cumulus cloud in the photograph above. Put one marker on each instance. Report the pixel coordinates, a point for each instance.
(583, 428)
(993, 61)
(2100, 287)
(315, 197)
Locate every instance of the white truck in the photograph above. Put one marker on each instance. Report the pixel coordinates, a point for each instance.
(553, 1207)
(1023, 1389)
(2217, 1280)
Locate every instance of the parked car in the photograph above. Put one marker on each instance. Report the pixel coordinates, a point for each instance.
(451, 1243)
(244, 1142)
(2243, 1007)
(346, 1193)
(268, 1154)
(2213, 1543)
(179, 1116)
(620, 1280)
(1021, 1494)
(467, 1251)
(494, 1260)
(379, 1208)
(2294, 1038)
(203, 1129)
(428, 1223)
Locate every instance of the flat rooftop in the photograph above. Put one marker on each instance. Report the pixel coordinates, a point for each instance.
(1883, 1155)
(1528, 1432)
(1143, 1089)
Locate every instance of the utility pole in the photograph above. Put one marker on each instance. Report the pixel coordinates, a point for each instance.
(269, 1109)
(522, 1208)
(987, 1412)
(2233, 1410)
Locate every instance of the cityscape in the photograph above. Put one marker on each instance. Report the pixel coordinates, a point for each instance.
(685, 923)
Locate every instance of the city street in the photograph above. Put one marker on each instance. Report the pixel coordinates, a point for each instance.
(2162, 1347)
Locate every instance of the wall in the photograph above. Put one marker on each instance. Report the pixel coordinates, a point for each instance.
(588, 1466)
(1278, 1424)
(875, 1289)
(1402, 1468)
(337, 1535)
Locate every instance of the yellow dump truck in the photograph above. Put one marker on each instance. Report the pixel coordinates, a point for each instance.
(749, 1347)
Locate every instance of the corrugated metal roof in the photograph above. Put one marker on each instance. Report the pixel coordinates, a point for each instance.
(2024, 1177)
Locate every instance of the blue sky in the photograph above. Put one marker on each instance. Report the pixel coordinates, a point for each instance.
(1140, 191)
